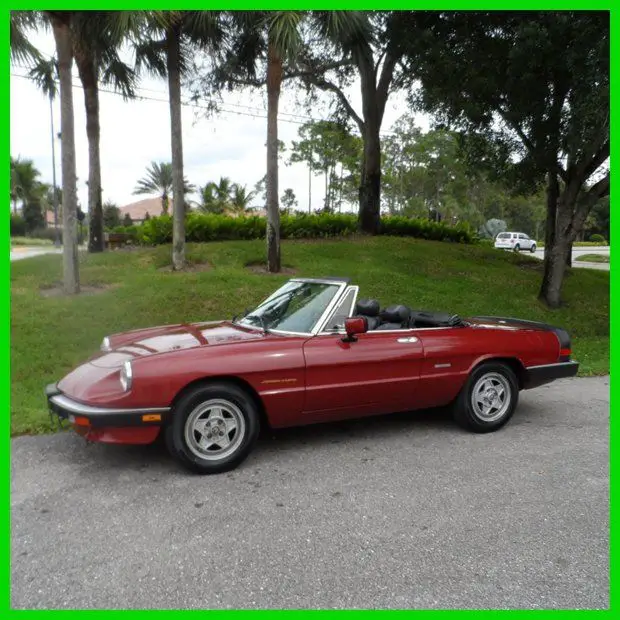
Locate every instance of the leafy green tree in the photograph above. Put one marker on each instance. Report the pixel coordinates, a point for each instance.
(127, 221)
(288, 200)
(536, 86)
(325, 145)
(372, 53)
(33, 214)
(111, 215)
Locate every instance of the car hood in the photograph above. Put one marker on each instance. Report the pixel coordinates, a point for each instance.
(140, 343)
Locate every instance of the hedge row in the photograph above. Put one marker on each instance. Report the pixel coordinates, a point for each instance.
(211, 227)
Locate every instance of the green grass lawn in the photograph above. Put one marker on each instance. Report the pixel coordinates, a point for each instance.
(52, 334)
(593, 258)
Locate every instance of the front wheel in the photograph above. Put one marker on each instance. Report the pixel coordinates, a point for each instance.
(214, 428)
(533, 248)
(488, 398)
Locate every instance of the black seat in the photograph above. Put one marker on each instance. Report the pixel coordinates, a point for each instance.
(369, 309)
(395, 317)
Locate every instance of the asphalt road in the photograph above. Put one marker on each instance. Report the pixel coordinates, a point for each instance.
(404, 511)
(580, 251)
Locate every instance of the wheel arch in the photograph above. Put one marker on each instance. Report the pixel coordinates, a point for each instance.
(514, 363)
(231, 379)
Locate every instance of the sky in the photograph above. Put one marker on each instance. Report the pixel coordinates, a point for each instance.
(134, 133)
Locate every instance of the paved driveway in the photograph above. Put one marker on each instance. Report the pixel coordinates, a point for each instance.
(580, 251)
(21, 252)
(404, 511)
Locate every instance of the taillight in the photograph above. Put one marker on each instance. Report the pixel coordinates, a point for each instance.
(564, 355)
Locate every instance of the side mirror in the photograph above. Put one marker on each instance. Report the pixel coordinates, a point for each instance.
(357, 325)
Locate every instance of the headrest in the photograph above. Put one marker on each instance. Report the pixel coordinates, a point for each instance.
(396, 314)
(368, 307)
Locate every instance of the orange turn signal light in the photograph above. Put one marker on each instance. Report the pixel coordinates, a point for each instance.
(79, 420)
(151, 417)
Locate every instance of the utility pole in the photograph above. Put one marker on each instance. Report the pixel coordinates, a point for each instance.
(55, 190)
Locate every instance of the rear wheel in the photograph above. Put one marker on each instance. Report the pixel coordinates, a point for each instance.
(214, 428)
(517, 248)
(488, 398)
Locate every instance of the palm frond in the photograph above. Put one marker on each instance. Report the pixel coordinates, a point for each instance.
(151, 57)
(45, 75)
(22, 50)
(283, 29)
(120, 76)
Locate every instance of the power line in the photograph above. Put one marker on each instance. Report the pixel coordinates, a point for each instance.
(219, 107)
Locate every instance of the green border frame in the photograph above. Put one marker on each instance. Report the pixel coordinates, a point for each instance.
(314, 4)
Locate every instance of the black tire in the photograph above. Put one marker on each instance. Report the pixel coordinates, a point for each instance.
(533, 248)
(517, 248)
(469, 415)
(224, 405)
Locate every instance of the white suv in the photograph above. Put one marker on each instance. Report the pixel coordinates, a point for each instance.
(515, 241)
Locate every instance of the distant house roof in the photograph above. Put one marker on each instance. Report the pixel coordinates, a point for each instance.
(138, 210)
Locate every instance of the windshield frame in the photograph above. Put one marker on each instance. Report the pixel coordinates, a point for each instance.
(342, 285)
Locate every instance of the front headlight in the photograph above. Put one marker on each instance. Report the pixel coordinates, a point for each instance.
(105, 345)
(126, 376)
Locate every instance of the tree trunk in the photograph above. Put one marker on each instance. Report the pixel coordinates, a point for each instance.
(87, 69)
(309, 189)
(173, 38)
(564, 222)
(553, 192)
(370, 185)
(326, 189)
(64, 52)
(274, 80)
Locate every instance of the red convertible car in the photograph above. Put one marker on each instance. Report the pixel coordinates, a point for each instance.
(311, 352)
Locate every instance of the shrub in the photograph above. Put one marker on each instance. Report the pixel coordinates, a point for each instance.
(596, 238)
(18, 226)
(201, 227)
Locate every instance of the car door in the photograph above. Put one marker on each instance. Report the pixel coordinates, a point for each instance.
(376, 373)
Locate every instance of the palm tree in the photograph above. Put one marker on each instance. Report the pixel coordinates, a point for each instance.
(44, 74)
(24, 180)
(209, 202)
(159, 180)
(241, 198)
(22, 49)
(275, 38)
(61, 27)
(97, 35)
(166, 52)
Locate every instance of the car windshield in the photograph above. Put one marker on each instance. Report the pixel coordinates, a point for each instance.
(295, 307)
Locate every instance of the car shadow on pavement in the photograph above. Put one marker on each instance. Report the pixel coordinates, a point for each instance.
(405, 428)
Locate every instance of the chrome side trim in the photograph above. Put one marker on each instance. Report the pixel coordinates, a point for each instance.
(74, 407)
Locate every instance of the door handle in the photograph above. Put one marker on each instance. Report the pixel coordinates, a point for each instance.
(407, 340)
